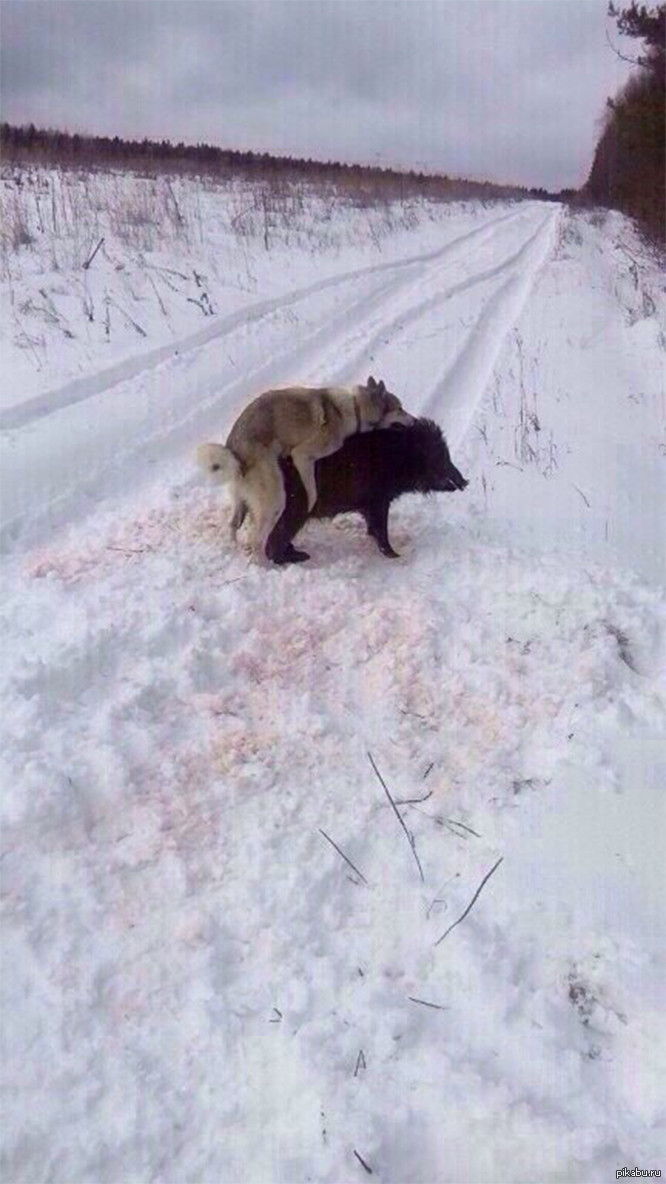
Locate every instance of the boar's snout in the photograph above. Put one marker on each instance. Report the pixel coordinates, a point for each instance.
(452, 480)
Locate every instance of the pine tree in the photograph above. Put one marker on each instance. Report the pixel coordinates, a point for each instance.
(630, 161)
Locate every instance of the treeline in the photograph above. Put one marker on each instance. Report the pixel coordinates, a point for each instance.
(628, 171)
(31, 145)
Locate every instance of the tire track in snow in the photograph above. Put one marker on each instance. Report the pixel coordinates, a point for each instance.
(81, 389)
(400, 322)
(331, 337)
(460, 388)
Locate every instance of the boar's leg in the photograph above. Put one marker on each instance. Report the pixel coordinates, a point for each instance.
(279, 546)
(288, 555)
(376, 517)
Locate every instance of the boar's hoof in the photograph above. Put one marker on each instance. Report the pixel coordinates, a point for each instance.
(290, 555)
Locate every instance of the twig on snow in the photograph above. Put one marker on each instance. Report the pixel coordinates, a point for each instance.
(451, 829)
(340, 852)
(433, 902)
(581, 494)
(415, 714)
(360, 1062)
(429, 769)
(443, 822)
(157, 295)
(87, 263)
(203, 304)
(239, 216)
(413, 801)
(440, 899)
(129, 550)
(425, 1003)
(398, 815)
(128, 318)
(168, 271)
(455, 822)
(362, 1162)
(472, 901)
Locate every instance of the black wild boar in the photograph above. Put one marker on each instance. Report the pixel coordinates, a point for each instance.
(370, 471)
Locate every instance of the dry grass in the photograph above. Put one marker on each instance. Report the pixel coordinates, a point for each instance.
(63, 213)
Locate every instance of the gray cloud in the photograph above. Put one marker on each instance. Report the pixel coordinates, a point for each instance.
(496, 89)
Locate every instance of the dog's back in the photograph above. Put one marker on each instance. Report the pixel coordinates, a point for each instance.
(275, 420)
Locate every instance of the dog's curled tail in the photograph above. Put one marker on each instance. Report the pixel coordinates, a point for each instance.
(219, 463)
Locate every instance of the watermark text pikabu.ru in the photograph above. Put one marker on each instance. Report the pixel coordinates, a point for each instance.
(629, 1173)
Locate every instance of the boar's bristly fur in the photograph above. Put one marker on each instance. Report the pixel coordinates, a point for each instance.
(368, 473)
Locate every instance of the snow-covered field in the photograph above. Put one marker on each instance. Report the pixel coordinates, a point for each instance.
(196, 987)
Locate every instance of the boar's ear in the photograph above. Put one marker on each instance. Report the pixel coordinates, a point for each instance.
(371, 384)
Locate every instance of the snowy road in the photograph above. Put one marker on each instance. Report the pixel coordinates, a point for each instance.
(201, 989)
(336, 327)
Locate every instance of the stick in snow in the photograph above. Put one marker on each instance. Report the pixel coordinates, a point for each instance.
(86, 265)
(129, 550)
(472, 901)
(581, 494)
(454, 822)
(360, 1063)
(362, 1162)
(436, 900)
(416, 714)
(127, 317)
(398, 815)
(347, 861)
(439, 821)
(413, 801)
(424, 1003)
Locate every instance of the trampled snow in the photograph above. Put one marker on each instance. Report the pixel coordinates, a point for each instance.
(196, 985)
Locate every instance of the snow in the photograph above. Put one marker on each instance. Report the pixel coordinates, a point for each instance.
(195, 986)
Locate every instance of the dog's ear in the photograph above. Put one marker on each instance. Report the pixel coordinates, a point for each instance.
(379, 387)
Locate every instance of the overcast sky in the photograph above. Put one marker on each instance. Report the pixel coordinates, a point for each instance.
(506, 90)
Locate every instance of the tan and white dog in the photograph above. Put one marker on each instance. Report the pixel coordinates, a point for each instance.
(305, 423)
